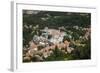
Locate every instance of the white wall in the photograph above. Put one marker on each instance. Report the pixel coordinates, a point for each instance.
(5, 35)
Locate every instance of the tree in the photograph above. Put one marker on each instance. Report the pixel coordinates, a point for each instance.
(57, 55)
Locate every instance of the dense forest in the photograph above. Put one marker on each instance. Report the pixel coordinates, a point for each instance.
(77, 27)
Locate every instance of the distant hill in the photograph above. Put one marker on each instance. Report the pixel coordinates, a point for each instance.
(56, 19)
